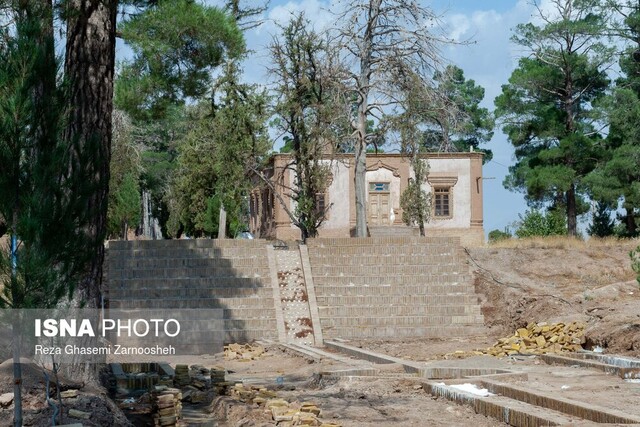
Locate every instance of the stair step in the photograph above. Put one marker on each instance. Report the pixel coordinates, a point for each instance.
(396, 290)
(186, 282)
(189, 273)
(237, 262)
(179, 303)
(367, 259)
(135, 292)
(399, 310)
(389, 321)
(383, 270)
(374, 332)
(503, 409)
(376, 241)
(584, 410)
(391, 300)
(446, 279)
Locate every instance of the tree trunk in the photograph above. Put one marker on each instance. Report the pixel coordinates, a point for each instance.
(572, 212)
(89, 69)
(17, 374)
(16, 324)
(360, 185)
(364, 81)
(630, 222)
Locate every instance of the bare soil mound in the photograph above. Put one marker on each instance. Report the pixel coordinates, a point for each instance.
(562, 280)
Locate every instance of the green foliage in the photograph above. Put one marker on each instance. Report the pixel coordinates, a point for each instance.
(602, 225)
(306, 114)
(546, 108)
(215, 156)
(470, 126)
(414, 201)
(124, 187)
(237, 214)
(125, 210)
(176, 44)
(43, 201)
(616, 179)
(635, 262)
(536, 223)
(499, 235)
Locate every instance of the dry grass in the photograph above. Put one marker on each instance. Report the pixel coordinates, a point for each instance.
(565, 242)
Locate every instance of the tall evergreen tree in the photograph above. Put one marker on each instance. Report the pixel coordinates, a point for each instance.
(42, 199)
(177, 45)
(545, 107)
(216, 155)
(470, 126)
(616, 180)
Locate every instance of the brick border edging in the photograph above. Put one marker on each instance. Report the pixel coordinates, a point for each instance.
(277, 302)
(311, 296)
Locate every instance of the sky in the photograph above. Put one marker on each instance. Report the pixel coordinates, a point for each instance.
(489, 60)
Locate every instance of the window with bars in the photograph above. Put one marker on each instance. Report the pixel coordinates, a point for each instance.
(442, 202)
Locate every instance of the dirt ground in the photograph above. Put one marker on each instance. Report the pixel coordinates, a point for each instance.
(540, 281)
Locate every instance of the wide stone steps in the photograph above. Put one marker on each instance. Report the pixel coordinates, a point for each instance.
(400, 310)
(394, 286)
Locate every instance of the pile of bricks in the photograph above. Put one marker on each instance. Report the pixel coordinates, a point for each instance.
(167, 407)
(536, 338)
(243, 352)
(181, 376)
(284, 413)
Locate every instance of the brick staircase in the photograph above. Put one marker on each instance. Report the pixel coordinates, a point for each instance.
(384, 287)
(393, 231)
(232, 276)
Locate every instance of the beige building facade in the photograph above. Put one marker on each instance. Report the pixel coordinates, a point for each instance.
(454, 181)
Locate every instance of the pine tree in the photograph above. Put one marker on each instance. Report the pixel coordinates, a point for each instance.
(545, 107)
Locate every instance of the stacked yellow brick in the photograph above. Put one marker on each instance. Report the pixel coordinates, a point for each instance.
(285, 414)
(536, 338)
(243, 352)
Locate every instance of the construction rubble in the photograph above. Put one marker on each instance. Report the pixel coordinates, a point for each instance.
(244, 352)
(536, 338)
(284, 413)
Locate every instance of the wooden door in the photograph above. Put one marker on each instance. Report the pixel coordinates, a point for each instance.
(379, 208)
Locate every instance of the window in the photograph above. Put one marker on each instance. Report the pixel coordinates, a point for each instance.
(442, 202)
(378, 187)
(321, 204)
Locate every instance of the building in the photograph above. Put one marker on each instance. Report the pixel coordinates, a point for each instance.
(455, 182)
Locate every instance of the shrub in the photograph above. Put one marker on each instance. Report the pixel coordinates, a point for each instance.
(536, 223)
(635, 262)
(499, 235)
